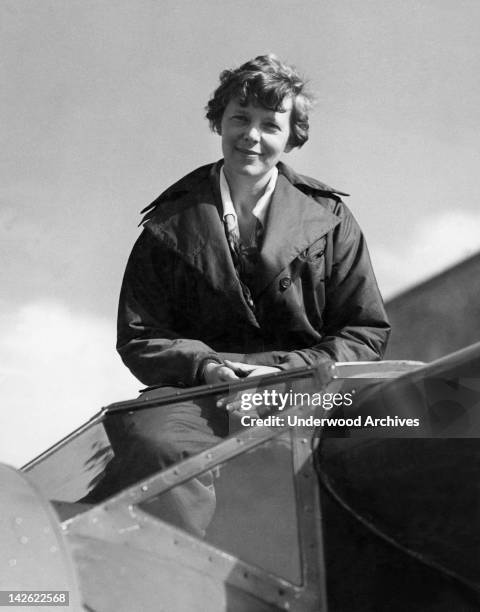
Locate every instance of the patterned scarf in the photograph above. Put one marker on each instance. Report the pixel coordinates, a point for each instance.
(245, 257)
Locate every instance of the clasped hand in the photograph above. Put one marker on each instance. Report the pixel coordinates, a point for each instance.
(231, 371)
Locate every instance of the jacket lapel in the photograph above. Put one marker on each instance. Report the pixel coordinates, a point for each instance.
(295, 221)
(191, 226)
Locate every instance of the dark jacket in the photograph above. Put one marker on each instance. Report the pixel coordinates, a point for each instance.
(315, 292)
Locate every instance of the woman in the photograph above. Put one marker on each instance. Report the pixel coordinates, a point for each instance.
(243, 267)
(301, 289)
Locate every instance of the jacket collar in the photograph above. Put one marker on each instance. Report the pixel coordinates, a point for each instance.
(186, 218)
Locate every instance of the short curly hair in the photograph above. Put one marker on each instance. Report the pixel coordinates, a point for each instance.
(264, 81)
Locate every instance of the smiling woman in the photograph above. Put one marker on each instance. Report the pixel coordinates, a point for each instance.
(243, 268)
(253, 139)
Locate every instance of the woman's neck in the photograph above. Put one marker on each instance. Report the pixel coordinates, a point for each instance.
(246, 191)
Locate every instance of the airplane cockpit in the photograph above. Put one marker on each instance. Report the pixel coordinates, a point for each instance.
(348, 489)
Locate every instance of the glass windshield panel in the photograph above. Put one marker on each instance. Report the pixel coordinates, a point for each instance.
(72, 469)
(81, 469)
(246, 507)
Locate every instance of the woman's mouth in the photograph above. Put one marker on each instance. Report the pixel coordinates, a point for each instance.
(247, 152)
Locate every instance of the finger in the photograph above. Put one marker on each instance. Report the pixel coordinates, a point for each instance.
(230, 404)
(234, 403)
(233, 406)
(239, 365)
(224, 401)
(226, 373)
(244, 369)
(263, 371)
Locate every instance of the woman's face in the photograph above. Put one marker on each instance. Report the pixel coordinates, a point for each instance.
(254, 137)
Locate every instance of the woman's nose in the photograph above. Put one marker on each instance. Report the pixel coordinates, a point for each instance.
(252, 133)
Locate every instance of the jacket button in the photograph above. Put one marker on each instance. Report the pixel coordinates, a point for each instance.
(285, 283)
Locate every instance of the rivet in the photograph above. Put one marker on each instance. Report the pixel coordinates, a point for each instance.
(209, 455)
(19, 520)
(53, 549)
(144, 487)
(24, 540)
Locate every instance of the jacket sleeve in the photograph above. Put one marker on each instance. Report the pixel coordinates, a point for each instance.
(146, 338)
(356, 326)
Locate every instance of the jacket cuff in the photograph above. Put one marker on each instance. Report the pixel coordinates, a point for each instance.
(301, 359)
(200, 378)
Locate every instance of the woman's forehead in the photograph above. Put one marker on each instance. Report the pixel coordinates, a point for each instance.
(253, 105)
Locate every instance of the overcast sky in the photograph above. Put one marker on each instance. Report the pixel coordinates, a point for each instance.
(102, 108)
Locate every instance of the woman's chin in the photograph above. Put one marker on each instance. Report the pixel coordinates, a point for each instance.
(249, 170)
